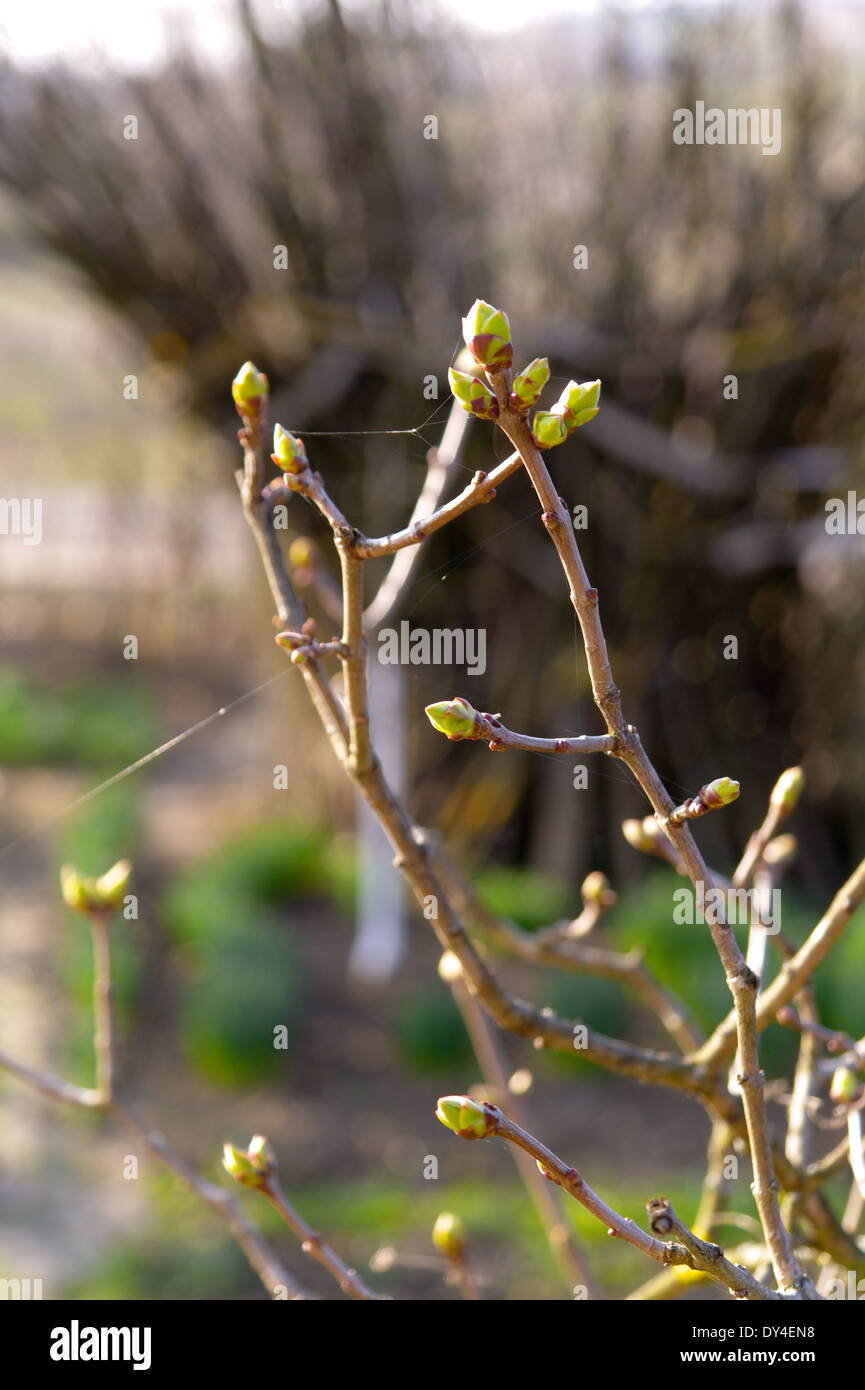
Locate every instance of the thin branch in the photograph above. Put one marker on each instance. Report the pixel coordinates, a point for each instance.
(274, 1276)
(707, 1257)
(834, 1039)
(741, 980)
(482, 488)
(857, 1157)
(441, 463)
(360, 758)
(413, 859)
(798, 1144)
(671, 1283)
(794, 973)
(490, 727)
(313, 1245)
(103, 1004)
(511, 1013)
(568, 954)
(278, 1282)
(290, 611)
(690, 1249)
(826, 1167)
(51, 1086)
(785, 795)
(560, 1239)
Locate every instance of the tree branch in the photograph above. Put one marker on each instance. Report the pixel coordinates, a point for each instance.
(489, 1120)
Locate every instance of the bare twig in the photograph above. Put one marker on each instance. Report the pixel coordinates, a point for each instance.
(490, 727)
(794, 973)
(51, 1086)
(103, 1004)
(486, 1046)
(313, 1245)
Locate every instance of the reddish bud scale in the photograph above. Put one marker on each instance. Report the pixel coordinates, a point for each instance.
(482, 348)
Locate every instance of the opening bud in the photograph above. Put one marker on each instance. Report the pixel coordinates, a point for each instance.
(578, 403)
(95, 894)
(288, 452)
(529, 383)
(456, 718)
(240, 1166)
(111, 886)
(548, 429)
(261, 1155)
(487, 335)
(473, 395)
(720, 792)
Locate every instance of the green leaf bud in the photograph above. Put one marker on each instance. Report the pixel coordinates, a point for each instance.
(529, 383)
(456, 718)
(487, 335)
(288, 452)
(473, 395)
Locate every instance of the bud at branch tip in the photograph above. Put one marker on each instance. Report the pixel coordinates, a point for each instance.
(470, 1119)
(487, 335)
(249, 389)
(456, 718)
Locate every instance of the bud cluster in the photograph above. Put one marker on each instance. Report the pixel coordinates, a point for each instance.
(576, 406)
(487, 335)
